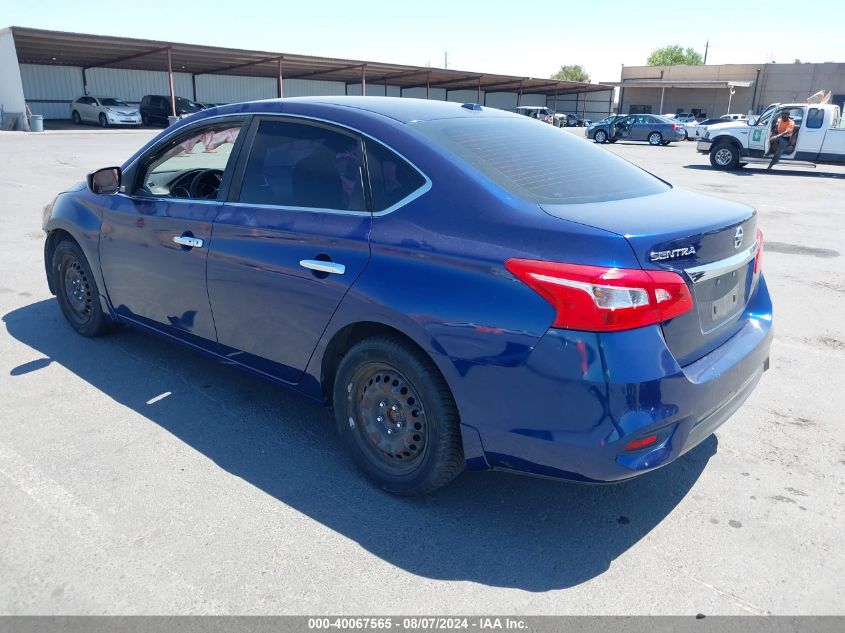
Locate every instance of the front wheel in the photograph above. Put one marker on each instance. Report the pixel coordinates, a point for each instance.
(655, 138)
(724, 156)
(77, 120)
(76, 290)
(104, 122)
(145, 118)
(600, 136)
(397, 416)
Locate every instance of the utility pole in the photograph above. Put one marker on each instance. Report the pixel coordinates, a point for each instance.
(706, 48)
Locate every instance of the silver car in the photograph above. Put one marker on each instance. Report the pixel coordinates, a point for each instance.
(104, 111)
(653, 129)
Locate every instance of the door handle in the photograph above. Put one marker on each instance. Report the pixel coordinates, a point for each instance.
(323, 267)
(190, 242)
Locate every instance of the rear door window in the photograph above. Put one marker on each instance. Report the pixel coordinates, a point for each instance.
(815, 118)
(302, 165)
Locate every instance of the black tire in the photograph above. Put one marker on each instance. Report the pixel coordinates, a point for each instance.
(403, 432)
(600, 136)
(145, 118)
(77, 120)
(686, 135)
(724, 155)
(76, 290)
(666, 142)
(655, 138)
(104, 122)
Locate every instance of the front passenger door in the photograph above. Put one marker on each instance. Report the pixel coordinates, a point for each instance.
(155, 236)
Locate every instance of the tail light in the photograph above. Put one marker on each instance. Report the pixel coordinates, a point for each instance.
(599, 299)
(675, 126)
(758, 259)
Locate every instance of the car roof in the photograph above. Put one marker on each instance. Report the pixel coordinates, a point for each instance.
(402, 109)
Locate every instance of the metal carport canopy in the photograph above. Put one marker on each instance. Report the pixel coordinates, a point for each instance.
(37, 46)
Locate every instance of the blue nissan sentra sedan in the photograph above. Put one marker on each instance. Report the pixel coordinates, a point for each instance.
(465, 288)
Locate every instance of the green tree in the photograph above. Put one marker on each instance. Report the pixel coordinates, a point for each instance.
(674, 55)
(573, 72)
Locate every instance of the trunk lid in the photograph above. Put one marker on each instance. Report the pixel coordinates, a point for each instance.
(709, 241)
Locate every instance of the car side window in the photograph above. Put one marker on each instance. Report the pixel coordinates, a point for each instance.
(815, 118)
(391, 178)
(192, 165)
(293, 164)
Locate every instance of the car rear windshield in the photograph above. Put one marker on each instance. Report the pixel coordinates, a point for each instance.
(538, 162)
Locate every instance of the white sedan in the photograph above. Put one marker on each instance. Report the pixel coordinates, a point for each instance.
(104, 111)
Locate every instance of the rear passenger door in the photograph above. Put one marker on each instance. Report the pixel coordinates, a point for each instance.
(87, 109)
(290, 242)
(642, 126)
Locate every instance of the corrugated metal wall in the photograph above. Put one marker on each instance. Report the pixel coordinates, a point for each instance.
(132, 85)
(230, 88)
(50, 89)
(592, 105)
(311, 87)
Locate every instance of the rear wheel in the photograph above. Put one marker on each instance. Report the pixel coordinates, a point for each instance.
(655, 138)
(724, 156)
(76, 118)
(600, 136)
(76, 290)
(397, 416)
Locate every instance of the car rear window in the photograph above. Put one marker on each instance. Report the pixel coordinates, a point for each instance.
(540, 163)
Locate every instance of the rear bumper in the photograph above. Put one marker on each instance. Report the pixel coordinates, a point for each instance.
(570, 410)
(704, 146)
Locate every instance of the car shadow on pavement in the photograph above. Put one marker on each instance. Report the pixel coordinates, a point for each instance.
(775, 171)
(495, 529)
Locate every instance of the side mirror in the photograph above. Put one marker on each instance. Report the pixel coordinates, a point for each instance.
(105, 181)
(752, 120)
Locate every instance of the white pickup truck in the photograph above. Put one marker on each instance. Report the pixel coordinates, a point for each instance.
(819, 137)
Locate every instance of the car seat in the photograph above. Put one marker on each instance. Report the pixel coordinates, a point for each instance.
(316, 182)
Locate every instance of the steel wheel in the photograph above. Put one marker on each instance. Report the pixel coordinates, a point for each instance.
(397, 416)
(600, 136)
(76, 290)
(385, 411)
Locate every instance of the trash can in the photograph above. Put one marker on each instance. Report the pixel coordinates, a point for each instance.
(36, 123)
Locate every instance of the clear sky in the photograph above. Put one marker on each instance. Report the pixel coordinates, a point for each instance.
(525, 38)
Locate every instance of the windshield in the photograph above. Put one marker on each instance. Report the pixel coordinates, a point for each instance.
(538, 163)
(187, 105)
(113, 102)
